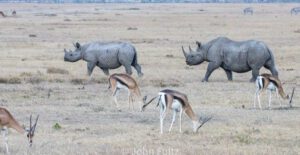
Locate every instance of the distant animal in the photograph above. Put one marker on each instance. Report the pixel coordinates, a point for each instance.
(232, 56)
(124, 81)
(8, 121)
(14, 13)
(295, 11)
(248, 10)
(105, 55)
(2, 14)
(177, 102)
(271, 84)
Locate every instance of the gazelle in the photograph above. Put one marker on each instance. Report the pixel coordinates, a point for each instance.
(124, 81)
(177, 102)
(8, 121)
(270, 83)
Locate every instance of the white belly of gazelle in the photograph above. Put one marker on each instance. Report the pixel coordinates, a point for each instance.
(176, 105)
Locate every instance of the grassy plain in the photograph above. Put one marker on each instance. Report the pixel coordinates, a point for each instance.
(35, 79)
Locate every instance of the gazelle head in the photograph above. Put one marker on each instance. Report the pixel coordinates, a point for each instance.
(198, 124)
(31, 130)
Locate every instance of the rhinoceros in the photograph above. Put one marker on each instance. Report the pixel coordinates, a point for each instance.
(105, 55)
(232, 56)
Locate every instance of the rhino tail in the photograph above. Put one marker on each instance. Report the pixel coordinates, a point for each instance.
(271, 56)
(271, 64)
(134, 61)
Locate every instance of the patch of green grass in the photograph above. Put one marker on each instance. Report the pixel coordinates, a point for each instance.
(56, 126)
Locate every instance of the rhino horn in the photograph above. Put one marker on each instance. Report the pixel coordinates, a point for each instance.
(65, 51)
(190, 49)
(184, 53)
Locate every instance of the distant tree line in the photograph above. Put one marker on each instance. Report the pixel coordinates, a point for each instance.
(149, 1)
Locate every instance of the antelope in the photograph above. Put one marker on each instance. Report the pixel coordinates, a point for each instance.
(124, 81)
(270, 83)
(177, 102)
(8, 121)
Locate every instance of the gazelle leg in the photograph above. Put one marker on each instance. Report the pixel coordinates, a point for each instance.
(132, 100)
(277, 94)
(115, 94)
(162, 117)
(180, 115)
(270, 97)
(129, 99)
(255, 96)
(173, 120)
(258, 99)
(4, 134)
(163, 111)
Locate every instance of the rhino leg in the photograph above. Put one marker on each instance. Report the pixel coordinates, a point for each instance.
(270, 66)
(105, 71)
(128, 69)
(138, 69)
(229, 74)
(210, 68)
(90, 67)
(255, 73)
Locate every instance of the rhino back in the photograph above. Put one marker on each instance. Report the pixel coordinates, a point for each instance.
(107, 54)
(240, 56)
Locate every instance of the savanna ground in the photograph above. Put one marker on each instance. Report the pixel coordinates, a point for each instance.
(35, 79)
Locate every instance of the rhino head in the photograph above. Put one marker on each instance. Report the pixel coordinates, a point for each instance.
(73, 56)
(194, 57)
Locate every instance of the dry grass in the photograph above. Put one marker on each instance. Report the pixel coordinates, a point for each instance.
(53, 70)
(32, 57)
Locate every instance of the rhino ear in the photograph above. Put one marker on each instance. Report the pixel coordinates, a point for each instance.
(198, 44)
(77, 45)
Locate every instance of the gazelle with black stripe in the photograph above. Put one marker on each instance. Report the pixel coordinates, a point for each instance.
(124, 81)
(8, 121)
(271, 84)
(177, 102)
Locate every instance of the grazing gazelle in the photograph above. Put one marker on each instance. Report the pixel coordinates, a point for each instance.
(177, 102)
(124, 81)
(8, 121)
(271, 83)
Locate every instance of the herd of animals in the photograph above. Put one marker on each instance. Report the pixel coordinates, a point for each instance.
(222, 52)
(248, 10)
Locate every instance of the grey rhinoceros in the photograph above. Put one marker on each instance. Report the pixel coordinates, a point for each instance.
(105, 55)
(232, 56)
